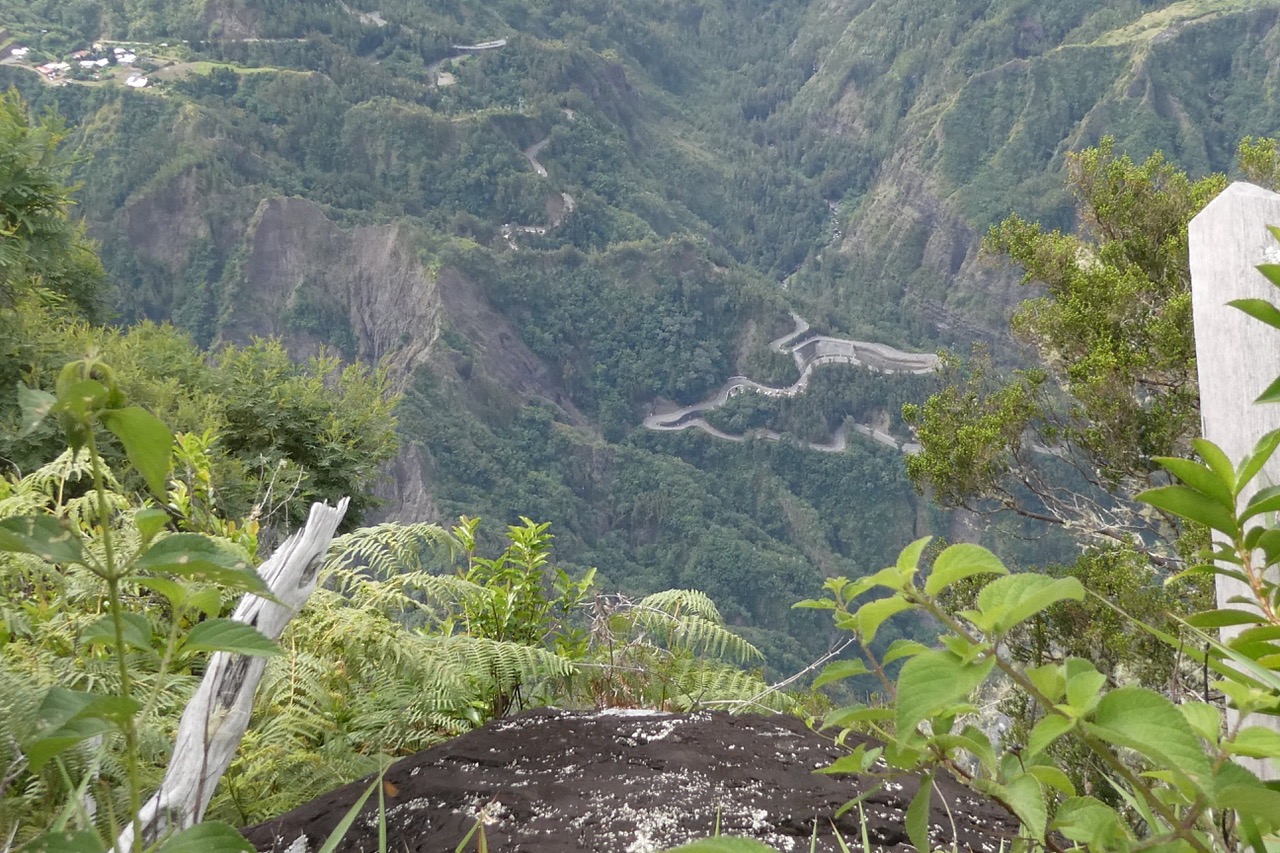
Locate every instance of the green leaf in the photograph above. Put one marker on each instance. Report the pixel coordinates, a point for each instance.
(1200, 478)
(1264, 500)
(1259, 456)
(1046, 731)
(1025, 798)
(150, 522)
(1258, 309)
(193, 554)
(909, 559)
(1187, 503)
(174, 591)
(1054, 778)
(1255, 800)
(136, 630)
(69, 717)
(80, 398)
(961, 561)
(900, 648)
(838, 671)
(42, 750)
(933, 681)
(1218, 462)
(1149, 723)
(1084, 690)
(147, 440)
(228, 635)
(65, 841)
(1271, 395)
(51, 539)
(972, 741)
(1050, 680)
(917, 817)
(1091, 823)
(870, 616)
(1223, 617)
(35, 405)
(1255, 742)
(1204, 719)
(1009, 600)
(859, 761)
(842, 717)
(207, 837)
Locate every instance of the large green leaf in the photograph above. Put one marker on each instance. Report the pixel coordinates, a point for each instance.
(1259, 456)
(838, 671)
(1224, 617)
(1201, 478)
(909, 558)
(1025, 798)
(1264, 500)
(1009, 600)
(1188, 503)
(1255, 742)
(870, 616)
(68, 717)
(1091, 823)
(146, 439)
(1258, 309)
(932, 682)
(193, 554)
(46, 537)
(207, 837)
(135, 628)
(961, 561)
(228, 635)
(1046, 731)
(1147, 722)
(916, 820)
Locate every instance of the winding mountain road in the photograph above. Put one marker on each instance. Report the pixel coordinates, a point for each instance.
(809, 352)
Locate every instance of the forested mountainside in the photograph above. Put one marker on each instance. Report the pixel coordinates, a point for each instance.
(548, 217)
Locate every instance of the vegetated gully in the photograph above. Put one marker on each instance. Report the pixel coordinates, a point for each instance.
(810, 352)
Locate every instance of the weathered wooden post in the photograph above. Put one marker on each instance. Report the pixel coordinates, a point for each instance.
(216, 718)
(1237, 356)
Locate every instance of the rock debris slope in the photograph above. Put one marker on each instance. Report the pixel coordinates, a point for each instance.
(633, 781)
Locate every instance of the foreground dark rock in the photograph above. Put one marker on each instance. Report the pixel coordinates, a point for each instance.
(631, 782)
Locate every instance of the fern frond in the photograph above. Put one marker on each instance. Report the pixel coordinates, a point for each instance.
(389, 549)
(694, 634)
(677, 602)
(507, 665)
(700, 684)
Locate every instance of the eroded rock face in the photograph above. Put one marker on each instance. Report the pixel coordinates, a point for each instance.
(633, 782)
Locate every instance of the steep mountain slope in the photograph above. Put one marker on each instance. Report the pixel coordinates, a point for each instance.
(549, 217)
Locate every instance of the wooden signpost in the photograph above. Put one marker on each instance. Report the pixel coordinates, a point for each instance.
(1237, 356)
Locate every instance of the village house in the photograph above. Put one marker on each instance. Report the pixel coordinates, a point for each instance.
(53, 70)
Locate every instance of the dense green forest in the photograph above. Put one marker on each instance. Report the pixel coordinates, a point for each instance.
(445, 259)
(696, 156)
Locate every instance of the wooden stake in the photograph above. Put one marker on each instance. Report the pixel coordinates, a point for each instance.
(216, 718)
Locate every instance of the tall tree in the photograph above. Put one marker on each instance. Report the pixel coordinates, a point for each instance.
(42, 253)
(1115, 385)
